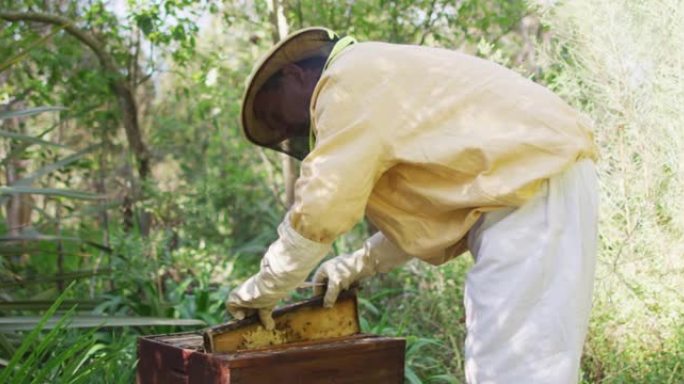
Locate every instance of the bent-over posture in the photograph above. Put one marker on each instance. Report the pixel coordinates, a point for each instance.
(443, 152)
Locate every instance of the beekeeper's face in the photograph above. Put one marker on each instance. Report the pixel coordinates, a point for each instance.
(284, 106)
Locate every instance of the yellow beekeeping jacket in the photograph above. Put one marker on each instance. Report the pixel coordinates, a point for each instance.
(425, 140)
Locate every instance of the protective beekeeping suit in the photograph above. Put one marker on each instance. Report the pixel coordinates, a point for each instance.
(444, 152)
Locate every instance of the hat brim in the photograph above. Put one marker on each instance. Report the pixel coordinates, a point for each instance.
(300, 45)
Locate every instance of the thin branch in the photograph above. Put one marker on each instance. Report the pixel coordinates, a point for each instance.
(271, 178)
(509, 28)
(125, 97)
(427, 24)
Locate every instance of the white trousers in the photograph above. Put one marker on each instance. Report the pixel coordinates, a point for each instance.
(528, 296)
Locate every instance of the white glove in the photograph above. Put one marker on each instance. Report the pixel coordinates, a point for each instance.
(378, 255)
(284, 267)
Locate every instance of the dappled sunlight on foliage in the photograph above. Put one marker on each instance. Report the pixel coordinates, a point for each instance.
(612, 64)
(163, 215)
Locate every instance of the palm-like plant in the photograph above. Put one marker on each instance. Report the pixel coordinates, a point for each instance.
(52, 350)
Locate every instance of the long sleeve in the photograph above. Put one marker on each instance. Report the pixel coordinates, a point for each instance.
(340, 173)
(383, 254)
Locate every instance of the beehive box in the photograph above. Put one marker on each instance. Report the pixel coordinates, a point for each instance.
(176, 359)
(350, 359)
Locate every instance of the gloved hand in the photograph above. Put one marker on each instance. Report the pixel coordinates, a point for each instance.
(284, 267)
(378, 255)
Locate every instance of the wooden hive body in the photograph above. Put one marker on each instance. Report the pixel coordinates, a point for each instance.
(356, 359)
(310, 345)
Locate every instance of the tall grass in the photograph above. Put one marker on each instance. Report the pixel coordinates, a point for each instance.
(622, 62)
(425, 305)
(62, 355)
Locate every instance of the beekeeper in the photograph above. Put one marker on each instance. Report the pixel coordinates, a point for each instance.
(444, 153)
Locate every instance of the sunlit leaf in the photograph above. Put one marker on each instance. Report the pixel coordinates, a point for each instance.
(411, 376)
(30, 139)
(17, 150)
(42, 279)
(29, 112)
(37, 237)
(12, 189)
(23, 323)
(42, 305)
(28, 179)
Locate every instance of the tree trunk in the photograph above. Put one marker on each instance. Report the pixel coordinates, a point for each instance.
(120, 87)
(19, 206)
(13, 207)
(124, 95)
(279, 32)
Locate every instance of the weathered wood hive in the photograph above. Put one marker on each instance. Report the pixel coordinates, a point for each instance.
(309, 345)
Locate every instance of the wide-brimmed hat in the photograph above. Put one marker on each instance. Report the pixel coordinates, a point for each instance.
(300, 45)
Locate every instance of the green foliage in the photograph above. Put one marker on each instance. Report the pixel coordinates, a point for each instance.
(166, 23)
(433, 22)
(620, 62)
(62, 356)
(424, 304)
(173, 246)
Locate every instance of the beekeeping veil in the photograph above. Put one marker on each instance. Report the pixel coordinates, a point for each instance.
(303, 44)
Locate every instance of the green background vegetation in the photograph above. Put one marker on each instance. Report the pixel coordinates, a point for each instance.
(122, 226)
